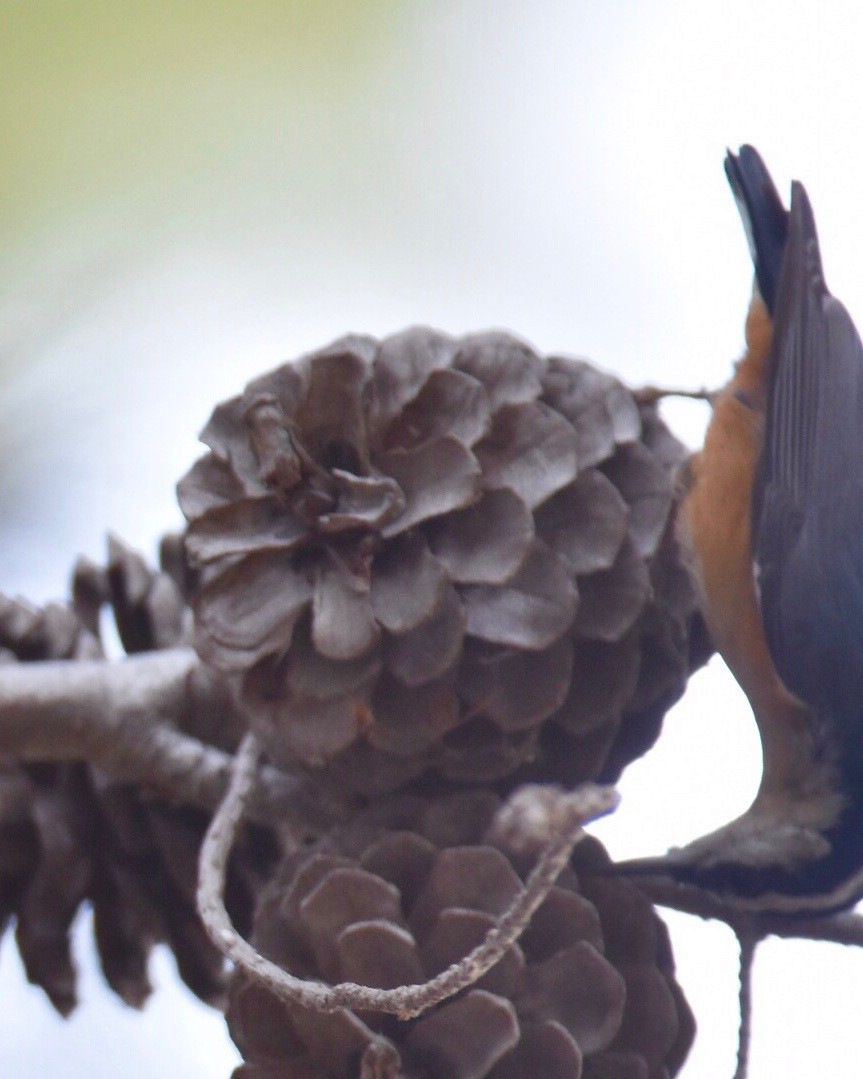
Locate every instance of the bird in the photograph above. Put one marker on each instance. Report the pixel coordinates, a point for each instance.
(771, 523)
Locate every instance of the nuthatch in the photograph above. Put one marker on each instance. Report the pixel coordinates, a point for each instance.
(773, 519)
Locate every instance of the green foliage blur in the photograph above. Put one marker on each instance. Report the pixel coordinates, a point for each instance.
(120, 120)
(96, 96)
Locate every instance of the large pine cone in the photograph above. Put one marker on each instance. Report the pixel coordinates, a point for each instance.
(428, 554)
(70, 835)
(410, 888)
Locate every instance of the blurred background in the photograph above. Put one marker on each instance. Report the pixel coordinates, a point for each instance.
(192, 192)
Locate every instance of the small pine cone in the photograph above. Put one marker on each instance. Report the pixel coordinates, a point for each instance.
(410, 888)
(69, 834)
(46, 856)
(429, 554)
(149, 612)
(148, 854)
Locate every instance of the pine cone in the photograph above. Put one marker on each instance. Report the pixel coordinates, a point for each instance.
(436, 555)
(69, 834)
(46, 826)
(411, 887)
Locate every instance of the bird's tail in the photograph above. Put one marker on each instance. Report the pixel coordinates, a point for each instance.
(765, 219)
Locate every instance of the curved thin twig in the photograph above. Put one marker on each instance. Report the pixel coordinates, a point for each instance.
(407, 1001)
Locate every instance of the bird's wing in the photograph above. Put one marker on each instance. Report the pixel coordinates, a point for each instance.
(765, 219)
(808, 499)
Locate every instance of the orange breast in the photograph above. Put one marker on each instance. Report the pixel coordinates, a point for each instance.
(716, 522)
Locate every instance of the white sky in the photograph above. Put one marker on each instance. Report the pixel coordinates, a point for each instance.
(552, 168)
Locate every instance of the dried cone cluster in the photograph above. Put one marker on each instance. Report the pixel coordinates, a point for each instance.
(431, 556)
(425, 564)
(410, 888)
(69, 835)
(428, 570)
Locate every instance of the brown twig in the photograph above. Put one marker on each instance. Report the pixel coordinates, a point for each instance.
(650, 395)
(570, 810)
(748, 944)
(750, 928)
(122, 718)
(843, 928)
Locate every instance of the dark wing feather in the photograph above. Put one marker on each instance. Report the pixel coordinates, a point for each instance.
(808, 502)
(765, 219)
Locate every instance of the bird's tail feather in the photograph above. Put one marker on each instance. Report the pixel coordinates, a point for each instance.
(765, 219)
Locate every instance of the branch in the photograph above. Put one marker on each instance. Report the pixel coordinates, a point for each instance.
(845, 927)
(568, 810)
(748, 946)
(750, 928)
(122, 717)
(650, 395)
